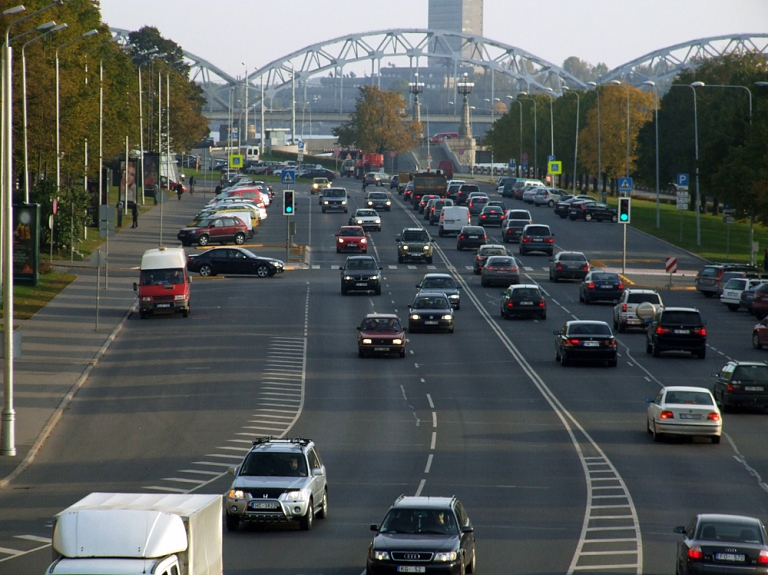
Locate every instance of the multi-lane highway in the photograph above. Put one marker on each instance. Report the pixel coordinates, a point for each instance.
(552, 463)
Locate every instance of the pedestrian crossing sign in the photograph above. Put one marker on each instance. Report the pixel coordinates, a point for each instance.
(625, 185)
(555, 168)
(236, 161)
(288, 176)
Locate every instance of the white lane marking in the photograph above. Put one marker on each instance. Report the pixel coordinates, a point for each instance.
(392, 267)
(35, 538)
(420, 488)
(412, 267)
(182, 480)
(211, 463)
(8, 551)
(434, 419)
(402, 390)
(167, 489)
(198, 471)
(434, 440)
(429, 463)
(429, 398)
(315, 267)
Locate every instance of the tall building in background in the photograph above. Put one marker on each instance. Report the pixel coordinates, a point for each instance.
(465, 16)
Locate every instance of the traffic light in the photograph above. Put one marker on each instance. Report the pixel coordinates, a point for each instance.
(624, 210)
(288, 202)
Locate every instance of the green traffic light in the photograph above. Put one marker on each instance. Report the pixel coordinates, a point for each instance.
(624, 217)
(288, 209)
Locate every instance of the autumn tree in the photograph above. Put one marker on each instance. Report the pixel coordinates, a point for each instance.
(379, 123)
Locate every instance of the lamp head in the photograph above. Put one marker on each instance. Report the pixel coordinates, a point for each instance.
(46, 26)
(59, 27)
(14, 10)
(649, 83)
(761, 84)
(617, 82)
(593, 84)
(697, 84)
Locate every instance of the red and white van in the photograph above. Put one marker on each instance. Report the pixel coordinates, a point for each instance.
(163, 285)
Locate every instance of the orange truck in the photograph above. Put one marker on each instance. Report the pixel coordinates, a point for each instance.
(368, 163)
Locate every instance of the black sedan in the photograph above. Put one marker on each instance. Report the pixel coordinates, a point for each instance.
(585, 340)
(601, 286)
(233, 261)
(471, 237)
(715, 543)
(430, 310)
(524, 300)
(592, 211)
(491, 216)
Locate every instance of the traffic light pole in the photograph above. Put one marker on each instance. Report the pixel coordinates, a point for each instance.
(624, 252)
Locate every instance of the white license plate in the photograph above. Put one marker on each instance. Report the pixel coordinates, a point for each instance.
(380, 349)
(682, 331)
(411, 569)
(753, 388)
(526, 303)
(473, 237)
(729, 557)
(690, 416)
(361, 284)
(537, 239)
(591, 344)
(606, 287)
(163, 305)
(430, 323)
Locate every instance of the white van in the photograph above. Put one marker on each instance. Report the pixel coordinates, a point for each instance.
(252, 153)
(452, 219)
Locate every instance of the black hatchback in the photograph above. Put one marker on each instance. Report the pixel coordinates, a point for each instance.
(742, 384)
(471, 237)
(677, 329)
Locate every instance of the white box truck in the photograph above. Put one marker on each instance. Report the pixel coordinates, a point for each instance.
(136, 534)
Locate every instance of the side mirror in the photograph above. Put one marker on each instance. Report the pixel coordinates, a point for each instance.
(358, 328)
(397, 238)
(374, 527)
(715, 374)
(467, 529)
(317, 471)
(679, 529)
(232, 470)
(648, 400)
(135, 286)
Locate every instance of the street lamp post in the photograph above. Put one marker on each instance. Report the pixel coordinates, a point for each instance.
(141, 132)
(416, 88)
(49, 30)
(618, 83)
(576, 149)
(599, 146)
(520, 158)
(693, 87)
(246, 102)
(656, 98)
(535, 135)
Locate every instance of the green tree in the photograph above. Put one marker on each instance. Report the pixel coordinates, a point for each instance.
(379, 123)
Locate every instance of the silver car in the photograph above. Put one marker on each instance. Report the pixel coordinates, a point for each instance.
(500, 270)
(547, 196)
(279, 481)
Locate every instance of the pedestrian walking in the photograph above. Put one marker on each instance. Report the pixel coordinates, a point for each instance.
(135, 214)
(191, 185)
(179, 190)
(217, 191)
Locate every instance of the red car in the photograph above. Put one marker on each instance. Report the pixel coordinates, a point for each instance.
(351, 238)
(760, 334)
(380, 334)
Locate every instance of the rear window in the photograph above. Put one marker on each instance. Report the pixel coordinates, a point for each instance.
(589, 329)
(735, 532)
(500, 261)
(736, 283)
(709, 272)
(750, 373)
(526, 293)
(538, 231)
(574, 258)
(519, 215)
(605, 277)
(643, 297)
(473, 230)
(493, 252)
(470, 188)
(675, 317)
(688, 398)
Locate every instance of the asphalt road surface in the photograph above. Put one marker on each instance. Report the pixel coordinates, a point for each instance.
(553, 463)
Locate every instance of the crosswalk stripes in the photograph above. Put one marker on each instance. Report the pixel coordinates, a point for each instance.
(10, 552)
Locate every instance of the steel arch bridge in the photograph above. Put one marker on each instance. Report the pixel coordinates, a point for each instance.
(662, 66)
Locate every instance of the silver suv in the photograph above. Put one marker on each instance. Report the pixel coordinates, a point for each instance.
(279, 481)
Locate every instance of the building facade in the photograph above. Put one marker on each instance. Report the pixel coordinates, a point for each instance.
(464, 16)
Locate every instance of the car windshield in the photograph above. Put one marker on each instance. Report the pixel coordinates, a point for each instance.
(589, 329)
(438, 283)
(415, 236)
(750, 373)
(430, 303)
(690, 318)
(334, 193)
(365, 213)
(352, 232)
(426, 521)
(361, 264)
(161, 277)
(273, 464)
(572, 258)
(731, 531)
(381, 324)
(678, 397)
(643, 297)
(377, 196)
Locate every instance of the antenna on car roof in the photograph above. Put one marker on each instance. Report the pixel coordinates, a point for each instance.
(260, 440)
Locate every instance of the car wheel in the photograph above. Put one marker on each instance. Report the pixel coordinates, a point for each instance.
(563, 359)
(233, 522)
(756, 341)
(702, 353)
(323, 210)
(240, 239)
(551, 204)
(483, 283)
(648, 347)
(308, 519)
(360, 353)
(205, 270)
(614, 219)
(476, 271)
(588, 218)
(656, 351)
(402, 354)
(429, 260)
(648, 426)
(555, 280)
(323, 513)
(142, 314)
(586, 300)
(185, 312)
(440, 232)
(656, 436)
(472, 565)
(202, 240)
(733, 306)
(458, 247)
(262, 271)
(377, 291)
(715, 439)
(451, 329)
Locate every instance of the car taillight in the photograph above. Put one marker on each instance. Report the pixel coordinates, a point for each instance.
(667, 415)
(621, 286)
(462, 237)
(572, 341)
(483, 217)
(559, 266)
(586, 267)
(662, 330)
(762, 558)
(550, 240)
(695, 552)
(502, 217)
(513, 269)
(526, 240)
(700, 331)
(719, 274)
(624, 307)
(510, 304)
(713, 416)
(591, 285)
(542, 303)
(490, 268)
(582, 208)
(609, 342)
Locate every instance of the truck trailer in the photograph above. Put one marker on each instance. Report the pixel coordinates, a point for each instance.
(136, 534)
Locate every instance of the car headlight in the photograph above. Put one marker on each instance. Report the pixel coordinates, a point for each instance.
(405, 248)
(370, 203)
(454, 296)
(446, 556)
(325, 202)
(236, 494)
(380, 555)
(389, 203)
(397, 341)
(359, 222)
(348, 278)
(448, 316)
(146, 298)
(415, 316)
(377, 222)
(179, 297)
(427, 248)
(343, 202)
(367, 341)
(375, 278)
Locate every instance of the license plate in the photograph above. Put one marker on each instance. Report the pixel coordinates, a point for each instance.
(537, 239)
(163, 305)
(729, 557)
(753, 388)
(526, 303)
(473, 237)
(682, 331)
(606, 287)
(411, 569)
(591, 344)
(430, 323)
(263, 505)
(690, 416)
(361, 284)
(380, 349)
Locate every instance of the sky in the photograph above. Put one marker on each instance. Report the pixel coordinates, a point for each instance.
(230, 33)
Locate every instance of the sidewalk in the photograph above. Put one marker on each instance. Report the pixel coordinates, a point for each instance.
(61, 345)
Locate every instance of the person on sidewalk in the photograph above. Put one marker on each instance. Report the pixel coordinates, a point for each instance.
(135, 214)
(179, 190)
(191, 185)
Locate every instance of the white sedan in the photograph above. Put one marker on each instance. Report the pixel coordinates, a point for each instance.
(682, 410)
(368, 219)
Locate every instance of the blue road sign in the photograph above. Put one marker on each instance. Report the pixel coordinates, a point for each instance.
(512, 163)
(301, 145)
(625, 185)
(551, 158)
(288, 176)
(682, 181)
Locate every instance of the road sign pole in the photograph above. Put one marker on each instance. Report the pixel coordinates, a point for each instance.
(624, 252)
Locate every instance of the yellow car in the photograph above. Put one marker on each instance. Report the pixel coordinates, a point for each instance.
(319, 184)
